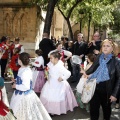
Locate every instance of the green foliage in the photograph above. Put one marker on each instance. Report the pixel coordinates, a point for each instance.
(66, 5)
(116, 25)
(99, 10)
(113, 35)
(41, 3)
(114, 31)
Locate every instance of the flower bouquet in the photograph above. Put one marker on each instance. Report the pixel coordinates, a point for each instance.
(46, 72)
(9, 74)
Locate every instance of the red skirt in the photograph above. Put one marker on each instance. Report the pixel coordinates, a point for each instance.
(3, 108)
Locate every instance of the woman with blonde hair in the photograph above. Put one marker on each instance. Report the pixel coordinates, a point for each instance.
(106, 70)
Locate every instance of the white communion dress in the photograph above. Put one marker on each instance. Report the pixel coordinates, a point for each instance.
(57, 97)
(25, 103)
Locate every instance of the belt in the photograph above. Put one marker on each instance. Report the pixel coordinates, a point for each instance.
(21, 92)
(39, 69)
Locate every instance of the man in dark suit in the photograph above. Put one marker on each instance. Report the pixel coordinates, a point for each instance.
(80, 49)
(46, 45)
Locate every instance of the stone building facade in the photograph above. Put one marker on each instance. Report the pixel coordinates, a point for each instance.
(19, 20)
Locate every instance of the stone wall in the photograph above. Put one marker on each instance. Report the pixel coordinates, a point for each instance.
(58, 21)
(19, 20)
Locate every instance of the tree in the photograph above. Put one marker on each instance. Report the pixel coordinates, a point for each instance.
(116, 25)
(47, 5)
(49, 15)
(100, 10)
(96, 12)
(66, 8)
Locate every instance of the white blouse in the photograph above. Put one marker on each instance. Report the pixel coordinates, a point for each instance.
(23, 79)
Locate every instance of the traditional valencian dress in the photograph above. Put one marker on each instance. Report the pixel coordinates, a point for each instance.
(38, 74)
(13, 65)
(4, 56)
(63, 53)
(4, 96)
(20, 47)
(5, 113)
(57, 97)
(25, 103)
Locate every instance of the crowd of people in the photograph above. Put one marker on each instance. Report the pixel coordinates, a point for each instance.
(43, 84)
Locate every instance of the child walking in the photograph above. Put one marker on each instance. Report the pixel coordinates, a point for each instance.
(57, 95)
(90, 60)
(38, 72)
(13, 65)
(24, 103)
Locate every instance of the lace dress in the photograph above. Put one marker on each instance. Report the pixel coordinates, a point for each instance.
(25, 103)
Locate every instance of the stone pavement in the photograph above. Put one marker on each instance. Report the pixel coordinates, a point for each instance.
(77, 114)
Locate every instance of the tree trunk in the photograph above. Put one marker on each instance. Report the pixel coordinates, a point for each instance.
(70, 28)
(89, 23)
(68, 17)
(49, 15)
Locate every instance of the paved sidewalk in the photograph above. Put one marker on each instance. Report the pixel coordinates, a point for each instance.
(77, 114)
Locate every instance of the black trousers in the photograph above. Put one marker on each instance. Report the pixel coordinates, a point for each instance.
(76, 72)
(100, 98)
(3, 66)
(46, 59)
(69, 66)
(118, 97)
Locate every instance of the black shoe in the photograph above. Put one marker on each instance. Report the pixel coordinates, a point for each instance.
(51, 115)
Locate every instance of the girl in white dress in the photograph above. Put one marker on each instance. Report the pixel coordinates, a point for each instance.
(38, 72)
(57, 95)
(24, 103)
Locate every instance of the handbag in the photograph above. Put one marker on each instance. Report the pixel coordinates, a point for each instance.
(81, 84)
(88, 90)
